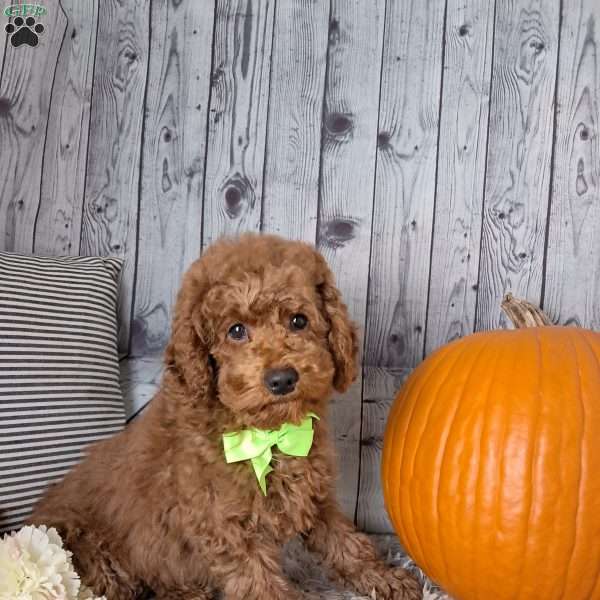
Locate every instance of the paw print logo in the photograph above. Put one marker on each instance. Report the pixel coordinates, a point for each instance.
(24, 31)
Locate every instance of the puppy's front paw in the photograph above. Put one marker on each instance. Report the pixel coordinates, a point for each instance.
(404, 585)
(393, 584)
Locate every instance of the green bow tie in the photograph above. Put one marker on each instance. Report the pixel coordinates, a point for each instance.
(256, 444)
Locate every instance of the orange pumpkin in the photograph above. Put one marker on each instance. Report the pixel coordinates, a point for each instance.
(491, 463)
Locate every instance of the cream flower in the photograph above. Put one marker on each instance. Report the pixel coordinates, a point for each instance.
(35, 566)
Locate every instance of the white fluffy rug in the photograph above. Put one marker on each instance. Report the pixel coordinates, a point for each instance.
(302, 568)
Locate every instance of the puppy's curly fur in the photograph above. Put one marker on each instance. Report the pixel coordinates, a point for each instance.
(158, 507)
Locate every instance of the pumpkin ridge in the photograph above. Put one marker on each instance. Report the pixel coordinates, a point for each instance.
(582, 456)
(596, 581)
(408, 387)
(539, 496)
(474, 522)
(441, 363)
(396, 499)
(390, 430)
(405, 524)
(422, 435)
(579, 477)
(483, 435)
(501, 473)
(440, 470)
(464, 349)
(534, 453)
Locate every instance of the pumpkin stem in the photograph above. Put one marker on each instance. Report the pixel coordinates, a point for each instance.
(524, 314)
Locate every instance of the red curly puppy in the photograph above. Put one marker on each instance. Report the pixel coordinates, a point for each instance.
(260, 338)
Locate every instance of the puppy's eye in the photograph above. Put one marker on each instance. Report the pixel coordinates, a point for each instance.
(238, 332)
(298, 322)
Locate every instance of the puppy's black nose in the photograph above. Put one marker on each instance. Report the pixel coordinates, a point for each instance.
(281, 381)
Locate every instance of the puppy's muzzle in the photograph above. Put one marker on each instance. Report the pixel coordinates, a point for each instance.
(281, 381)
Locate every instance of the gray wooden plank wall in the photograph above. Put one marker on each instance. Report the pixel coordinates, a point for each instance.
(438, 152)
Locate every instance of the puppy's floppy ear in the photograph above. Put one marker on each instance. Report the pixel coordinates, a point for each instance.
(187, 352)
(343, 338)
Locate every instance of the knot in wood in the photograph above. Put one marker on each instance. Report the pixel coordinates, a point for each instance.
(338, 124)
(397, 344)
(383, 139)
(233, 197)
(4, 106)
(336, 232)
(150, 329)
(238, 192)
(537, 45)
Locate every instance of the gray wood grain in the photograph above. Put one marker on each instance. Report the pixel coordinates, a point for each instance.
(173, 164)
(291, 182)
(110, 211)
(3, 46)
(518, 160)
(381, 386)
(346, 202)
(402, 227)
(237, 122)
(26, 93)
(4, 102)
(405, 184)
(139, 379)
(573, 260)
(58, 225)
(461, 170)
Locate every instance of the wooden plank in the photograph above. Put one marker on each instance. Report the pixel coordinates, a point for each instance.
(25, 95)
(405, 184)
(3, 46)
(380, 388)
(173, 164)
(519, 151)
(58, 224)
(461, 168)
(573, 261)
(111, 196)
(238, 115)
(346, 204)
(402, 227)
(140, 379)
(291, 183)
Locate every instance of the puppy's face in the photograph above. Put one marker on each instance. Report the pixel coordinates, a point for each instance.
(260, 325)
(270, 345)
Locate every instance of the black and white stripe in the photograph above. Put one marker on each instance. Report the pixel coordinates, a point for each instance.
(59, 371)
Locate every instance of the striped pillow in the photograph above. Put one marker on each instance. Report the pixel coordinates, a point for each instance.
(59, 371)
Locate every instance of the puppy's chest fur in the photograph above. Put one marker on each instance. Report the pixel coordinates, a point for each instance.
(295, 489)
(292, 500)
